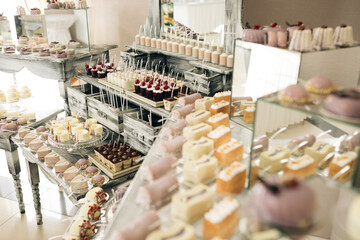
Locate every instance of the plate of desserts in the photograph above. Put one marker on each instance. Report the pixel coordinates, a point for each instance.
(72, 133)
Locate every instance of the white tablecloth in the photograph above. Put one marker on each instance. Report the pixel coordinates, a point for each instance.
(202, 17)
(58, 27)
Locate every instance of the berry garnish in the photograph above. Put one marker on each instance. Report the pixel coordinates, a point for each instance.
(343, 25)
(151, 82)
(274, 24)
(143, 84)
(108, 67)
(299, 23)
(165, 83)
(149, 85)
(93, 67)
(257, 26)
(166, 87)
(137, 81)
(99, 69)
(157, 87)
(86, 65)
(323, 26)
(99, 63)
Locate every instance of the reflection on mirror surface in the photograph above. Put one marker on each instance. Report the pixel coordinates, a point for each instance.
(5, 33)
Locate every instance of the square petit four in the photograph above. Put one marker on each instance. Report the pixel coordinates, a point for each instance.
(197, 131)
(302, 167)
(96, 129)
(229, 152)
(193, 150)
(219, 119)
(204, 103)
(82, 136)
(218, 107)
(90, 122)
(197, 117)
(177, 231)
(222, 96)
(231, 179)
(75, 128)
(62, 136)
(220, 136)
(202, 170)
(191, 205)
(319, 150)
(222, 220)
(271, 159)
(340, 162)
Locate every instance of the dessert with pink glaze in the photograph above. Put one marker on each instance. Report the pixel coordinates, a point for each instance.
(294, 94)
(320, 85)
(275, 35)
(284, 201)
(25, 51)
(255, 35)
(344, 103)
(44, 52)
(61, 54)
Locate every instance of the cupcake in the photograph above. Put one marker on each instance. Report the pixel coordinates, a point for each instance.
(149, 91)
(91, 171)
(137, 86)
(320, 85)
(87, 69)
(101, 73)
(82, 163)
(166, 91)
(158, 94)
(294, 94)
(94, 72)
(143, 89)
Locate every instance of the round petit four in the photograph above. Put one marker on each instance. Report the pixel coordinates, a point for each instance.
(90, 211)
(344, 103)
(288, 202)
(96, 195)
(9, 127)
(41, 129)
(91, 171)
(97, 180)
(83, 229)
(82, 163)
(294, 94)
(353, 219)
(320, 85)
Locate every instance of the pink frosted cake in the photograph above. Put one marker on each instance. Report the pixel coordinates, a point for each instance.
(275, 36)
(255, 35)
(320, 85)
(344, 103)
(294, 94)
(283, 201)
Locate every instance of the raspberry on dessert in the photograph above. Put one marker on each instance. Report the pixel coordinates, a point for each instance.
(257, 26)
(86, 65)
(274, 24)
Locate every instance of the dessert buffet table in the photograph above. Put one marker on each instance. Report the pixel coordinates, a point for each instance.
(60, 69)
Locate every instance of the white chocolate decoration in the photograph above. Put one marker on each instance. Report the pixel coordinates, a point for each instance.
(195, 52)
(137, 39)
(188, 50)
(223, 58)
(169, 46)
(175, 47)
(163, 45)
(201, 53)
(153, 42)
(229, 61)
(142, 40)
(207, 56)
(182, 48)
(215, 57)
(147, 41)
(158, 43)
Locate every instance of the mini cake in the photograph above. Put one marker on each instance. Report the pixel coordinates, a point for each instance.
(70, 51)
(96, 195)
(222, 96)
(96, 129)
(353, 219)
(35, 144)
(91, 171)
(302, 167)
(79, 184)
(193, 150)
(70, 173)
(294, 94)
(35, 11)
(218, 107)
(218, 119)
(74, 44)
(348, 143)
(344, 35)
(29, 137)
(82, 136)
(301, 40)
(305, 141)
(169, 103)
(25, 51)
(51, 158)
(22, 121)
(204, 103)
(249, 115)
(23, 132)
(177, 231)
(9, 49)
(61, 166)
(340, 162)
(197, 117)
(195, 132)
(293, 27)
(44, 52)
(82, 229)
(61, 136)
(244, 104)
(41, 129)
(220, 136)
(9, 127)
(231, 179)
(255, 35)
(320, 85)
(319, 150)
(90, 211)
(76, 127)
(222, 221)
(283, 201)
(82, 163)
(323, 38)
(271, 160)
(202, 170)
(229, 152)
(191, 205)
(29, 116)
(12, 94)
(61, 54)
(344, 103)
(97, 180)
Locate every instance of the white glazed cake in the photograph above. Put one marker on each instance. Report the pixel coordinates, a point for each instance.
(195, 132)
(202, 170)
(193, 150)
